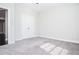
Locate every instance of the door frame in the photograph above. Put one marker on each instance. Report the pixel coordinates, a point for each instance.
(8, 22)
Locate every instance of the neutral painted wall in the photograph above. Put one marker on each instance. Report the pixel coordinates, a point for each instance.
(25, 24)
(11, 30)
(37, 24)
(21, 21)
(60, 22)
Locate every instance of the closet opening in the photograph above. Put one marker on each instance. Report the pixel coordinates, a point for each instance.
(3, 26)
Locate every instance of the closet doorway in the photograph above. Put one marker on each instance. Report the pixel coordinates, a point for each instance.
(3, 26)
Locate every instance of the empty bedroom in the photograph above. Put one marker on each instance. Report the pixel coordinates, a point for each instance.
(39, 29)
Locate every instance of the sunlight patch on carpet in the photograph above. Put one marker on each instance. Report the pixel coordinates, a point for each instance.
(56, 51)
(47, 47)
(53, 49)
(64, 52)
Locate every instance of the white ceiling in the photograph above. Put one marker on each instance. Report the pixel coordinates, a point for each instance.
(38, 7)
(42, 6)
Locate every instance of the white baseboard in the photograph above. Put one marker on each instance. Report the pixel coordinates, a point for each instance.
(26, 37)
(45, 36)
(11, 42)
(59, 39)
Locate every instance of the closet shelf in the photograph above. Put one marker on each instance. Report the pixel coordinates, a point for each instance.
(1, 18)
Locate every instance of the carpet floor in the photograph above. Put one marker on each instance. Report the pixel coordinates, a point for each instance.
(40, 46)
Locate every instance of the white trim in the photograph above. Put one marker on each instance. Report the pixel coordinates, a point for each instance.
(9, 29)
(59, 39)
(26, 38)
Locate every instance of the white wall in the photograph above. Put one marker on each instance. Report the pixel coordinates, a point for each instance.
(60, 22)
(11, 30)
(25, 22)
(21, 21)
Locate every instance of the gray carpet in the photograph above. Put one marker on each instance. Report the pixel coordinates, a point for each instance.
(32, 47)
